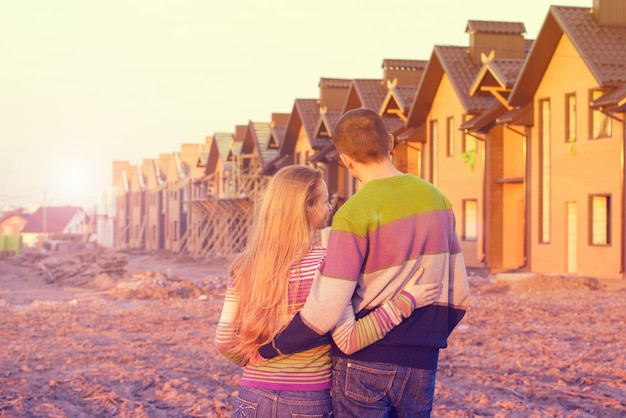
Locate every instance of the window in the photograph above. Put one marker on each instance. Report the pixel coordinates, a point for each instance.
(570, 117)
(433, 152)
(599, 122)
(450, 136)
(470, 220)
(469, 141)
(600, 211)
(544, 171)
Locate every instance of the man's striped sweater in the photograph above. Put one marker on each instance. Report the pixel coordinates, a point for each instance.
(382, 234)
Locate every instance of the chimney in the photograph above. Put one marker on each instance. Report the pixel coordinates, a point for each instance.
(407, 72)
(333, 92)
(609, 12)
(506, 39)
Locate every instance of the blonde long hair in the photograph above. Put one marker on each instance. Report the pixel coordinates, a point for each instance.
(280, 237)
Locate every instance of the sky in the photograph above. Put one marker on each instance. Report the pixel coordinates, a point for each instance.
(86, 83)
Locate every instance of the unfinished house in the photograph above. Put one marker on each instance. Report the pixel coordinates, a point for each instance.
(451, 159)
(156, 183)
(121, 182)
(232, 181)
(575, 81)
(176, 220)
(137, 219)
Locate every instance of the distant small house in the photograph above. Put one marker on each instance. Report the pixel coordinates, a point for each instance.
(53, 222)
(13, 222)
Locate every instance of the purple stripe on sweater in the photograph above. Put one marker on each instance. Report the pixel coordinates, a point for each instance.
(392, 244)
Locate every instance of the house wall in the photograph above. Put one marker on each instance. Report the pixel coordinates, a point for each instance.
(153, 211)
(505, 203)
(137, 220)
(302, 149)
(122, 233)
(174, 216)
(454, 177)
(407, 157)
(514, 199)
(76, 225)
(593, 168)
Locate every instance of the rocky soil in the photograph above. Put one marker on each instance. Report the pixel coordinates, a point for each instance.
(121, 334)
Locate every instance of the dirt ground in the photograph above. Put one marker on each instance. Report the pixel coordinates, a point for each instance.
(114, 334)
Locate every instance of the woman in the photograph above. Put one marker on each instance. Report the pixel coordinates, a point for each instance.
(268, 285)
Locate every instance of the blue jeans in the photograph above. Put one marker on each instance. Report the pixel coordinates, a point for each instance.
(371, 390)
(261, 403)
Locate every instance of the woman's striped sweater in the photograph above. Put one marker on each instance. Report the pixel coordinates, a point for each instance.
(309, 369)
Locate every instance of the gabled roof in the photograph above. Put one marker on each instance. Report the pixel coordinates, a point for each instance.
(136, 179)
(398, 97)
(305, 114)
(324, 132)
(56, 219)
(193, 156)
(367, 93)
(222, 141)
(162, 166)
(234, 149)
(213, 156)
(602, 48)
(326, 124)
(182, 168)
(500, 73)
(495, 79)
(257, 138)
(148, 167)
(457, 65)
(278, 127)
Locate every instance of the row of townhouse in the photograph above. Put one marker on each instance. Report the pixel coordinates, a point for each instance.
(525, 137)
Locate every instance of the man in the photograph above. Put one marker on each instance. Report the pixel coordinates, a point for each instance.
(393, 225)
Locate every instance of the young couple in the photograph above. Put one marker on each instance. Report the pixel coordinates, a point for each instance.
(379, 306)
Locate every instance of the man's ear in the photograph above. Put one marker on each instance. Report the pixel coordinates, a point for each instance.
(391, 142)
(347, 161)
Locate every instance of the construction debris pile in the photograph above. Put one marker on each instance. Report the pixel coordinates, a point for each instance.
(77, 269)
(107, 271)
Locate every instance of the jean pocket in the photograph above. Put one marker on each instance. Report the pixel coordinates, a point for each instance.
(326, 415)
(367, 384)
(244, 409)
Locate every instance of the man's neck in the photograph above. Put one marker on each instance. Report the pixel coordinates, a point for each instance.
(378, 170)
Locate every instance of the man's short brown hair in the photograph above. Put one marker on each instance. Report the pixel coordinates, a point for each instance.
(362, 135)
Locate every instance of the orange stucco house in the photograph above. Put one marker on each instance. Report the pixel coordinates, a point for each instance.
(451, 159)
(574, 78)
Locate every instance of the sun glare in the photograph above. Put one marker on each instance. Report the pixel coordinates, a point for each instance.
(73, 183)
